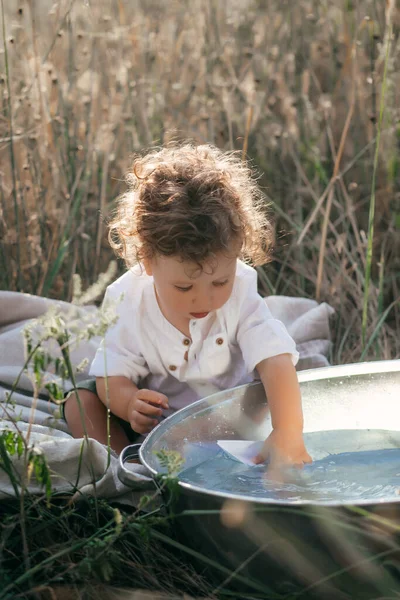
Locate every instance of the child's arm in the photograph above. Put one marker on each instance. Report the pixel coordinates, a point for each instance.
(285, 444)
(126, 401)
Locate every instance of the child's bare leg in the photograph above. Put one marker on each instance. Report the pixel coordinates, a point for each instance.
(95, 414)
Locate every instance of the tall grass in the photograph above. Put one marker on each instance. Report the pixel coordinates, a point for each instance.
(308, 91)
(85, 84)
(371, 214)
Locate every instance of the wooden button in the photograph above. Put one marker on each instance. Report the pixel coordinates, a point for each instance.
(172, 367)
(219, 341)
(186, 342)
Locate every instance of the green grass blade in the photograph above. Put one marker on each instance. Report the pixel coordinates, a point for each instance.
(371, 215)
(377, 329)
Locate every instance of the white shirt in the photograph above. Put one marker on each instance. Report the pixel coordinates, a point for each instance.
(224, 349)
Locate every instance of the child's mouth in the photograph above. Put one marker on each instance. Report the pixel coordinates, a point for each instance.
(199, 315)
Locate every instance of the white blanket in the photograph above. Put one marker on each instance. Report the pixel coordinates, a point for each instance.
(306, 320)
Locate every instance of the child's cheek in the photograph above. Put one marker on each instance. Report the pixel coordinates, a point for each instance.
(181, 302)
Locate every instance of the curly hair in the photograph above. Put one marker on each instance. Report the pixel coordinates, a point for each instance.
(191, 202)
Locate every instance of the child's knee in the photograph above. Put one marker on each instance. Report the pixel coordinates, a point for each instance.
(88, 400)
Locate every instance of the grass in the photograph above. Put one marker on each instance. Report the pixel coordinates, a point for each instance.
(371, 216)
(307, 91)
(89, 543)
(86, 84)
(90, 547)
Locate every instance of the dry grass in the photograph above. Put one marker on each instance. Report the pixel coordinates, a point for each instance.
(296, 84)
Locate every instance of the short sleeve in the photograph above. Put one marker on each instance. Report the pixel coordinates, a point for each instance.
(259, 335)
(119, 353)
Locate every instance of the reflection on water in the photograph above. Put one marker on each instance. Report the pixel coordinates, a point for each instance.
(371, 471)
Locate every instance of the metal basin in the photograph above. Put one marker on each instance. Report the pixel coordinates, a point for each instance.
(341, 547)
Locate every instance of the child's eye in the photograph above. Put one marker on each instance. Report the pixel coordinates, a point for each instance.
(183, 289)
(220, 283)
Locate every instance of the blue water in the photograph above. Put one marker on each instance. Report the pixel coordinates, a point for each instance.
(345, 477)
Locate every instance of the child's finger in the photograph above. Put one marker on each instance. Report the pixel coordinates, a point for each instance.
(147, 409)
(298, 465)
(279, 472)
(307, 459)
(261, 456)
(141, 423)
(153, 397)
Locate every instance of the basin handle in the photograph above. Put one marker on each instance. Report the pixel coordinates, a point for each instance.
(136, 480)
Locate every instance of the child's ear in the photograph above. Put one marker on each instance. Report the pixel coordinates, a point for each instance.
(147, 266)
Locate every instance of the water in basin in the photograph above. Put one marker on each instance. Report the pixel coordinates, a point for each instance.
(348, 466)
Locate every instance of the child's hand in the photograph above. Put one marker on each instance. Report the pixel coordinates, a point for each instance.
(143, 409)
(284, 448)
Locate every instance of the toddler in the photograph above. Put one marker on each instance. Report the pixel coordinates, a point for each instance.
(191, 321)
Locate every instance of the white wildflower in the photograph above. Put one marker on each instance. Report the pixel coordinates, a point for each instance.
(82, 365)
(97, 289)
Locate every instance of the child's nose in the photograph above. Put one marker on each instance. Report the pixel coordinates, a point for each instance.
(204, 301)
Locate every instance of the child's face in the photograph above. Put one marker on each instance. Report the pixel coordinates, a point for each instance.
(185, 292)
